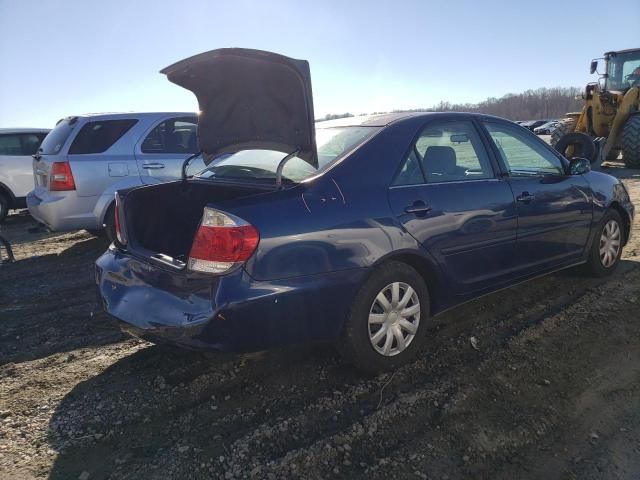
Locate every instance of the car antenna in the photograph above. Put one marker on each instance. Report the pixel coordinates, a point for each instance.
(185, 164)
(281, 167)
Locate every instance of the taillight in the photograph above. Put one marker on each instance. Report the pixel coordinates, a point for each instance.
(61, 178)
(221, 242)
(120, 231)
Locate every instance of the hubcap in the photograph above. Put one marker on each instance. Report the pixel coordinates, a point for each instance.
(610, 243)
(394, 318)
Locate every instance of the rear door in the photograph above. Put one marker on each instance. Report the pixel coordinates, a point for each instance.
(554, 209)
(161, 151)
(448, 197)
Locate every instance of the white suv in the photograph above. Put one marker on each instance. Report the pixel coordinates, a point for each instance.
(86, 159)
(16, 175)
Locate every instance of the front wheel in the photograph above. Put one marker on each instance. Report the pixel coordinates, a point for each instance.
(630, 141)
(387, 323)
(606, 248)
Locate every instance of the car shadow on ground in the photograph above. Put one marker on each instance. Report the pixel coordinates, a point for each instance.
(162, 395)
(143, 408)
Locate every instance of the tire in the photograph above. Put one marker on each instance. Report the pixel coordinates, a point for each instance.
(597, 266)
(110, 223)
(565, 125)
(582, 142)
(109, 230)
(630, 141)
(4, 207)
(356, 343)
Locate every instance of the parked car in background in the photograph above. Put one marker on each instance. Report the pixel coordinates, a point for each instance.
(85, 159)
(531, 124)
(356, 231)
(545, 128)
(16, 175)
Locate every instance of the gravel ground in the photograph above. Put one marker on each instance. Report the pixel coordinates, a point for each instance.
(548, 388)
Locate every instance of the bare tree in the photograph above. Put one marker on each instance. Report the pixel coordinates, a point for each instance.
(542, 103)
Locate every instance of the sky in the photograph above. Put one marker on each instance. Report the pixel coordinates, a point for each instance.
(68, 57)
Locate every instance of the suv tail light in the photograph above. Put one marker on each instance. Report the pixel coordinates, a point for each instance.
(61, 178)
(221, 242)
(121, 236)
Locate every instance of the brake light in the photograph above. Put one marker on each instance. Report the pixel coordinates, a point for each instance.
(221, 242)
(61, 177)
(120, 233)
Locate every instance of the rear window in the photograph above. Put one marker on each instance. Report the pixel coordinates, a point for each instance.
(57, 137)
(332, 144)
(99, 136)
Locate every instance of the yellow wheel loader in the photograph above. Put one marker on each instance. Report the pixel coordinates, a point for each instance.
(609, 123)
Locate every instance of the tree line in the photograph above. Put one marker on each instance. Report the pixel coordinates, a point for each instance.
(541, 103)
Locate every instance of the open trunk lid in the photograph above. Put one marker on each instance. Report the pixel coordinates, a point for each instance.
(250, 99)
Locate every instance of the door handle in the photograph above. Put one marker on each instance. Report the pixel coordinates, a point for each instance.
(418, 207)
(153, 166)
(526, 197)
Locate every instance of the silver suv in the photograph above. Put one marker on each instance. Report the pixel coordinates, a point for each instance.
(85, 159)
(16, 175)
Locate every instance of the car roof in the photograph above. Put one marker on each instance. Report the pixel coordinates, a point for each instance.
(25, 130)
(139, 115)
(384, 119)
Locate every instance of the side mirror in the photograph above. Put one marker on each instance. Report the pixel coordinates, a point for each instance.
(579, 166)
(594, 67)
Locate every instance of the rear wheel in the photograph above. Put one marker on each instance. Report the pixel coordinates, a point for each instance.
(4, 207)
(606, 248)
(387, 323)
(564, 126)
(630, 141)
(110, 223)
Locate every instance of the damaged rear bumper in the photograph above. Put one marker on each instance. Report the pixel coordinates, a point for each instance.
(232, 312)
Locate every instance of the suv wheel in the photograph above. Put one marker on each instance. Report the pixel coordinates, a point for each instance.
(387, 323)
(606, 248)
(4, 207)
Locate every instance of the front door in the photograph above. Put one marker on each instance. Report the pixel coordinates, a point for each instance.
(448, 198)
(163, 149)
(554, 209)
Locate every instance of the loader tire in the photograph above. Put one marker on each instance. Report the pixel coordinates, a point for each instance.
(565, 125)
(582, 144)
(630, 141)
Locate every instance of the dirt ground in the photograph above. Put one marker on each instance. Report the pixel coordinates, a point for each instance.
(551, 391)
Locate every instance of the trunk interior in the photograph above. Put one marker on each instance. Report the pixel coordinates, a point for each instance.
(164, 218)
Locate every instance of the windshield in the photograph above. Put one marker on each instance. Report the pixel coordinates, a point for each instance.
(332, 144)
(623, 70)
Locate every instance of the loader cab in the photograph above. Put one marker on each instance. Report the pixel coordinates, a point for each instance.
(622, 70)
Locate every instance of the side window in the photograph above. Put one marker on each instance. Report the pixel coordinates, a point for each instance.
(10, 145)
(176, 135)
(452, 151)
(521, 154)
(411, 173)
(99, 136)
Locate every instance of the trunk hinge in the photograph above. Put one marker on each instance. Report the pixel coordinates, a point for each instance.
(281, 167)
(185, 164)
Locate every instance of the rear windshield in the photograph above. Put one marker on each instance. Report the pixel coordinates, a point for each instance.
(332, 144)
(99, 136)
(56, 138)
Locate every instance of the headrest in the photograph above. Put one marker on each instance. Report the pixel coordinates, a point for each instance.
(438, 159)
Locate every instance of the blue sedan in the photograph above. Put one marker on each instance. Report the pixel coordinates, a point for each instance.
(365, 230)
